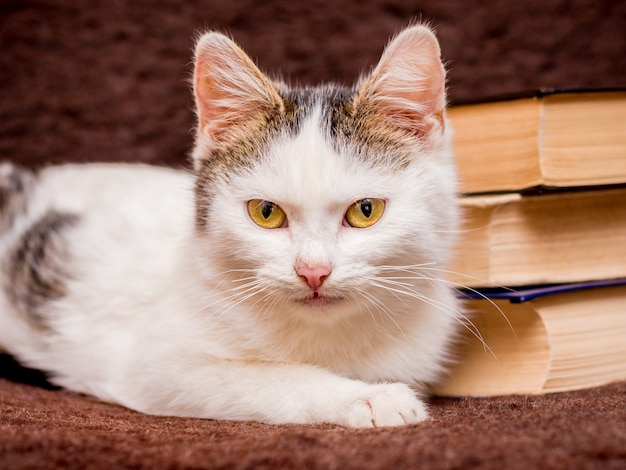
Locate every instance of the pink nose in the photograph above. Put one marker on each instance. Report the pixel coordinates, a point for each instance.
(313, 275)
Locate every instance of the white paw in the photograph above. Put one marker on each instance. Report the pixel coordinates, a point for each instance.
(385, 405)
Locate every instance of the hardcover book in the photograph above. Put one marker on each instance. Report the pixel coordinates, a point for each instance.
(553, 138)
(541, 340)
(557, 237)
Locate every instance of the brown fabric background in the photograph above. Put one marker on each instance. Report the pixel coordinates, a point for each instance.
(107, 80)
(585, 430)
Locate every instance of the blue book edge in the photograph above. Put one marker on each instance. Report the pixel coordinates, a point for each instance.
(518, 295)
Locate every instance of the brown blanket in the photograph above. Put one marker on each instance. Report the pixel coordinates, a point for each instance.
(55, 429)
(107, 80)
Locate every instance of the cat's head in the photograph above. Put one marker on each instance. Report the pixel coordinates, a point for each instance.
(324, 199)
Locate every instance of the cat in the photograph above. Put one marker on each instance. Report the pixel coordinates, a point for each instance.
(295, 275)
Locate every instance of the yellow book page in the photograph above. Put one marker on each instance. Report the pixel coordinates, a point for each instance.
(512, 355)
(559, 238)
(587, 331)
(583, 139)
(471, 264)
(496, 145)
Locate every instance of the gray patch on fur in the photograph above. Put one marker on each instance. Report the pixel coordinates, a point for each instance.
(357, 125)
(15, 185)
(36, 267)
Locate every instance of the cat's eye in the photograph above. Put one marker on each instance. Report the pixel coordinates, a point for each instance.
(365, 213)
(266, 214)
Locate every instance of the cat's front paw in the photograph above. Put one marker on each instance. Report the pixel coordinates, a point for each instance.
(385, 405)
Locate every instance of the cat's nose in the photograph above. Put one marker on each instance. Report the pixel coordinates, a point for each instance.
(313, 275)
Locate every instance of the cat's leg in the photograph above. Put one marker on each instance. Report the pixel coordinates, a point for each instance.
(280, 393)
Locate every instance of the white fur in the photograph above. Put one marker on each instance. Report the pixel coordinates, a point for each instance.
(167, 319)
(152, 324)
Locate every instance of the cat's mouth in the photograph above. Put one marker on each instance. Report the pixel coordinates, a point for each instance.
(319, 300)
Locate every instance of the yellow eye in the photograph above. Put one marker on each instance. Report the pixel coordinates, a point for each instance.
(266, 214)
(365, 213)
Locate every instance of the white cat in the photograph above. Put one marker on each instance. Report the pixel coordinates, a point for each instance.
(296, 276)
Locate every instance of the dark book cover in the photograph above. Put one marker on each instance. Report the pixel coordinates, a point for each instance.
(525, 294)
(539, 93)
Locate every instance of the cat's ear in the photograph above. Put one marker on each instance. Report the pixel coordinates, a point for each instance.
(231, 93)
(406, 89)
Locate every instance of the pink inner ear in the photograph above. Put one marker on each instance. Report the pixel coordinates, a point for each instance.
(408, 85)
(230, 90)
(205, 97)
(217, 107)
(219, 104)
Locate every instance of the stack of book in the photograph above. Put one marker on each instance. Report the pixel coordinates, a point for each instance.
(542, 254)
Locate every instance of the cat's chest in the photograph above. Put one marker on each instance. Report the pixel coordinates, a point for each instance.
(350, 352)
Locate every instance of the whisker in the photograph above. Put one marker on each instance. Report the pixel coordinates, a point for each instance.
(381, 308)
(460, 231)
(254, 289)
(267, 294)
(463, 275)
(463, 319)
(372, 300)
(448, 282)
(240, 293)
